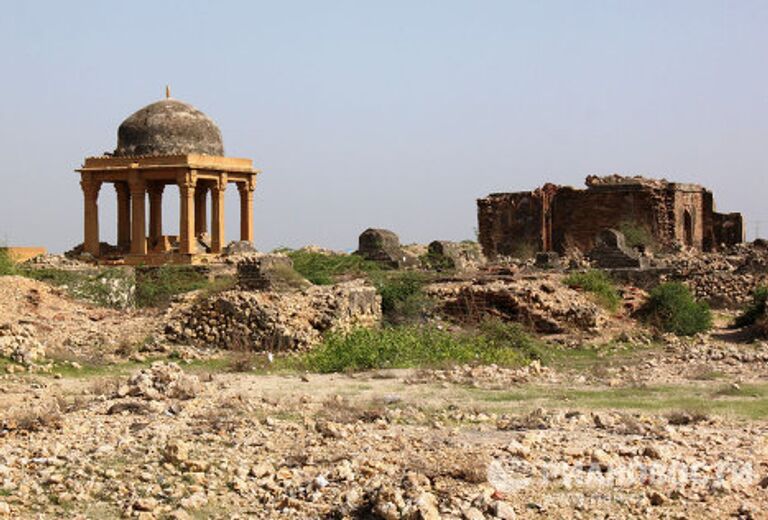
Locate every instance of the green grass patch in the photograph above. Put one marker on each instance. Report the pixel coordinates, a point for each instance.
(156, 286)
(413, 346)
(748, 402)
(599, 285)
(325, 269)
(671, 307)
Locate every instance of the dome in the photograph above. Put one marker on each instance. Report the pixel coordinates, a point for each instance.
(168, 127)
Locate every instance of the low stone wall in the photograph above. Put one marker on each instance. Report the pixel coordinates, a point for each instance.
(272, 321)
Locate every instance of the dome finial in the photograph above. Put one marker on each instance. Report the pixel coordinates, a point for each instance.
(167, 91)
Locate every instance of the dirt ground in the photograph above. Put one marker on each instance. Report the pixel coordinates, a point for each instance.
(632, 429)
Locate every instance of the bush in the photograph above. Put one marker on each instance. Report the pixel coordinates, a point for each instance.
(402, 295)
(7, 265)
(156, 286)
(413, 346)
(599, 285)
(323, 269)
(437, 262)
(672, 308)
(754, 310)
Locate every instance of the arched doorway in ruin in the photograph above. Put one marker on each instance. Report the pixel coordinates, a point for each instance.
(687, 228)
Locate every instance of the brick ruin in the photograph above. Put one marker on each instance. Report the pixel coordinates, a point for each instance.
(561, 218)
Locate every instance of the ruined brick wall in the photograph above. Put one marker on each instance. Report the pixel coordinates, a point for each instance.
(562, 218)
(578, 216)
(727, 229)
(687, 206)
(510, 224)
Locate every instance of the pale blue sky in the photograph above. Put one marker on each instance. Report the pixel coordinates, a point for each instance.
(394, 114)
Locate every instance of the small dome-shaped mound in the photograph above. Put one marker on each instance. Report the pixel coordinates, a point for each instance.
(168, 127)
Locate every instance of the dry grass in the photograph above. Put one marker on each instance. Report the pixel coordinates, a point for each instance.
(34, 419)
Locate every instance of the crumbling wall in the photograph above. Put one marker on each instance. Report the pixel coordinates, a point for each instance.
(272, 321)
(578, 216)
(510, 224)
(562, 218)
(727, 229)
(687, 206)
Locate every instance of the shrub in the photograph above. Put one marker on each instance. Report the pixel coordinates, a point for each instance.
(672, 308)
(754, 310)
(636, 235)
(402, 295)
(7, 265)
(156, 286)
(323, 269)
(436, 262)
(413, 346)
(599, 285)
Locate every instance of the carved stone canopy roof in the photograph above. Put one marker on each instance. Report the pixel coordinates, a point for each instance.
(168, 127)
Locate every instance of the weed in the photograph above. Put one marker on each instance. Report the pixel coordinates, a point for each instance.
(325, 269)
(754, 310)
(599, 285)
(7, 265)
(402, 295)
(636, 235)
(413, 346)
(156, 286)
(672, 308)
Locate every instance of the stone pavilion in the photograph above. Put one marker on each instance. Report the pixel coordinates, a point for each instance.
(167, 143)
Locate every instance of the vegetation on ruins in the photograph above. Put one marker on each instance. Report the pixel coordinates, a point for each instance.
(402, 295)
(108, 287)
(325, 269)
(402, 292)
(413, 346)
(754, 310)
(7, 265)
(155, 287)
(436, 262)
(671, 307)
(599, 285)
(636, 235)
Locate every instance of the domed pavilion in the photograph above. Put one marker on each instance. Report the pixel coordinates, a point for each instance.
(166, 143)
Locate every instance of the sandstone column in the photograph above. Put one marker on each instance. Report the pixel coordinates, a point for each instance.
(201, 210)
(246, 210)
(187, 222)
(123, 215)
(155, 212)
(217, 214)
(91, 214)
(138, 214)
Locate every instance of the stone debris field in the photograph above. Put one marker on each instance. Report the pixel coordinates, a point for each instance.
(215, 402)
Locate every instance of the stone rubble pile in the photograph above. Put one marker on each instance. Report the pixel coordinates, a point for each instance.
(270, 321)
(724, 279)
(161, 380)
(269, 272)
(484, 376)
(543, 302)
(19, 343)
(54, 261)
